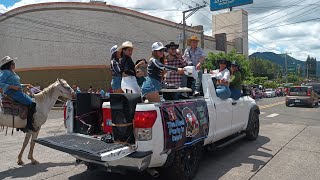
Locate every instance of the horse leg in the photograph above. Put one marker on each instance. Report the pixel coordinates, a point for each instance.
(32, 143)
(25, 143)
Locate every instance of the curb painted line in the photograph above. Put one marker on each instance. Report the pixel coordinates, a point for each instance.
(271, 105)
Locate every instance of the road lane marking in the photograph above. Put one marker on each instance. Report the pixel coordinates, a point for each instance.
(273, 115)
(262, 112)
(271, 105)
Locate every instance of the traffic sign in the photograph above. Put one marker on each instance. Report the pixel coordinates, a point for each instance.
(224, 4)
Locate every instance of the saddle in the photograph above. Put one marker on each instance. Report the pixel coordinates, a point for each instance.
(9, 106)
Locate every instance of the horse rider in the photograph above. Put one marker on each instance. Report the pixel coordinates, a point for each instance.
(12, 87)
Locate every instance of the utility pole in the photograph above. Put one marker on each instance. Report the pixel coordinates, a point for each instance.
(286, 65)
(193, 10)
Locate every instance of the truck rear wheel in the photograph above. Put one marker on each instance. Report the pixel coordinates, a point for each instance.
(252, 131)
(186, 163)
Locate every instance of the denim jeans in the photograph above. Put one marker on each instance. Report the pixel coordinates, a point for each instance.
(223, 92)
(235, 93)
(20, 97)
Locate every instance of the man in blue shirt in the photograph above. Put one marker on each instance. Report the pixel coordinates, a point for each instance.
(194, 56)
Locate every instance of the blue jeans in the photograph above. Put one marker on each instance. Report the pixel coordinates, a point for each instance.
(223, 92)
(150, 85)
(19, 96)
(235, 93)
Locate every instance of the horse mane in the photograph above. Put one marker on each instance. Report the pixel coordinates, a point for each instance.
(46, 92)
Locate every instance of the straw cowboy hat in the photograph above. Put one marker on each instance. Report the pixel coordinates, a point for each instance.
(5, 60)
(126, 44)
(192, 38)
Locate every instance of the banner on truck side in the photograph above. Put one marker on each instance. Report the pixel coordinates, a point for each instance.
(184, 123)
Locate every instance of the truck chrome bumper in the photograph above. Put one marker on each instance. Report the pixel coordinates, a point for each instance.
(137, 161)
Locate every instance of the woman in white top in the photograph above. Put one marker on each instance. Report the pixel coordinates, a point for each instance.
(223, 79)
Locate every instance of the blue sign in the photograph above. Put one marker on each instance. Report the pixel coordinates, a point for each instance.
(223, 4)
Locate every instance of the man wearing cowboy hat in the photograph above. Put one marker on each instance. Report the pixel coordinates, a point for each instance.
(194, 56)
(174, 58)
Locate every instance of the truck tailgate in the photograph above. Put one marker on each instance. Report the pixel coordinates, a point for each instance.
(86, 147)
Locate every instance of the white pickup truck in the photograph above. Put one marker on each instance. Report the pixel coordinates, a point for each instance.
(125, 134)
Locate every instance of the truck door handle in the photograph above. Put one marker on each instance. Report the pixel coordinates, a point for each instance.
(234, 103)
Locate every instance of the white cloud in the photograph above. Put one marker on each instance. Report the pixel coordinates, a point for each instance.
(300, 39)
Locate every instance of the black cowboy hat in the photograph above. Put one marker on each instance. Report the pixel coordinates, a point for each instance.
(172, 44)
(228, 63)
(235, 63)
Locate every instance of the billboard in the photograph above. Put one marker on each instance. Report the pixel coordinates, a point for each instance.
(223, 4)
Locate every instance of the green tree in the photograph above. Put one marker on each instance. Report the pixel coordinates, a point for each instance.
(264, 68)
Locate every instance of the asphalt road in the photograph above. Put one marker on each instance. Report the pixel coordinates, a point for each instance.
(288, 148)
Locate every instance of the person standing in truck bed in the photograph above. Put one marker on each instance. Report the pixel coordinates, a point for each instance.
(152, 84)
(115, 70)
(129, 80)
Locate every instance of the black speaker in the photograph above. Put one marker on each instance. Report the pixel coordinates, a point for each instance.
(88, 113)
(123, 107)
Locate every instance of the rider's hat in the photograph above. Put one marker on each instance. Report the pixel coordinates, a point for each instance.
(5, 60)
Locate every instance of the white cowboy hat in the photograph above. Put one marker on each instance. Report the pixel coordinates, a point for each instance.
(125, 44)
(114, 49)
(5, 60)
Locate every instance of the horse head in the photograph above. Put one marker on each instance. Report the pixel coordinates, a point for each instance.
(64, 88)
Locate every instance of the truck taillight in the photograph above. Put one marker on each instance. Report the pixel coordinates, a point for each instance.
(144, 119)
(309, 93)
(107, 122)
(143, 123)
(65, 112)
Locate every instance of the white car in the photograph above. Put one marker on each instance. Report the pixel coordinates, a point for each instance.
(270, 93)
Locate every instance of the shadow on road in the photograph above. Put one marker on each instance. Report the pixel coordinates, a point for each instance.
(29, 170)
(213, 165)
(217, 163)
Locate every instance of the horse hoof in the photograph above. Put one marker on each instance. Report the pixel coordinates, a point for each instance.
(34, 162)
(20, 162)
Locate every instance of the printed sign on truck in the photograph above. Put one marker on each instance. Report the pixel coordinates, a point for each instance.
(184, 123)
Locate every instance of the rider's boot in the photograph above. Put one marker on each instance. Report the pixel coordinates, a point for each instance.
(31, 111)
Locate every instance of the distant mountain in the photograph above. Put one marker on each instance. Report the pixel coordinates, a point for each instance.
(280, 59)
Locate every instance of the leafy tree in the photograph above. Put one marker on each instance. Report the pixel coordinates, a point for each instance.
(263, 68)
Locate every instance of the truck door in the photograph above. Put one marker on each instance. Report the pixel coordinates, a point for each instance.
(239, 118)
(224, 117)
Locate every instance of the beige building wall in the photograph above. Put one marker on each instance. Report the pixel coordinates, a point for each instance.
(235, 25)
(51, 39)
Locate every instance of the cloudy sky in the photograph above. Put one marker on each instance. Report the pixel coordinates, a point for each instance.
(274, 25)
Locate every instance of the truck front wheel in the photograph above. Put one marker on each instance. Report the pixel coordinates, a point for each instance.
(186, 163)
(252, 131)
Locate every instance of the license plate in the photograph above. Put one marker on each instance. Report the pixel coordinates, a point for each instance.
(297, 100)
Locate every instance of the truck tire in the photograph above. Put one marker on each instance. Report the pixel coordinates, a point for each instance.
(186, 163)
(252, 131)
(91, 166)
